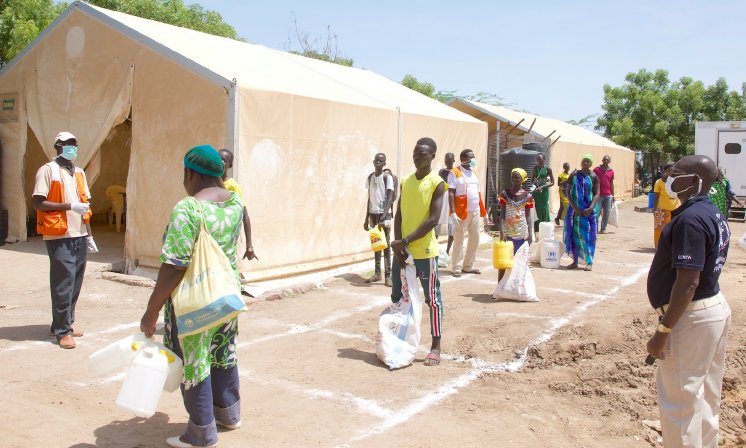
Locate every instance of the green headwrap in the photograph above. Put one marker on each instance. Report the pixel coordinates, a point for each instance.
(588, 157)
(204, 159)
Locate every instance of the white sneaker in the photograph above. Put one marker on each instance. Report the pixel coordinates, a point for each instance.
(177, 443)
(227, 426)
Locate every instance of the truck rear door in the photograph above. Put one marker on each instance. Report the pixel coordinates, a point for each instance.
(732, 158)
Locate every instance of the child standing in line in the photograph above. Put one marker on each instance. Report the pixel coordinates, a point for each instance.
(380, 197)
(515, 208)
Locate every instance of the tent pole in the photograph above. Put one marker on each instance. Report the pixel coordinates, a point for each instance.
(398, 142)
(231, 127)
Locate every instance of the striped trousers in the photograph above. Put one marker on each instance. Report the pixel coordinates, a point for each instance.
(427, 272)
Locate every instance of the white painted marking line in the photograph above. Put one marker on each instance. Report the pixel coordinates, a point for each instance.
(368, 406)
(464, 380)
(93, 335)
(300, 329)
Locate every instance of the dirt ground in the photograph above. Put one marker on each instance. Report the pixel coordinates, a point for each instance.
(565, 372)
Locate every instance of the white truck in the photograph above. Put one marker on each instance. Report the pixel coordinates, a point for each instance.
(725, 143)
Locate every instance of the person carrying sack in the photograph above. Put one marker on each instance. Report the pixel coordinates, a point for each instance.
(210, 386)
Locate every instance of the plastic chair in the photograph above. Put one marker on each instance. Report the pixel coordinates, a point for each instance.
(116, 193)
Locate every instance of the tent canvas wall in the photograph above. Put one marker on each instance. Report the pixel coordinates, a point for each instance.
(573, 142)
(304, 132)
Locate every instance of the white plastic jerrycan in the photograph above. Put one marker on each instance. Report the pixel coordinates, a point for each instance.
(551, 252)
(116, 355)
(143, 384)
(120, 354)
(546, 231)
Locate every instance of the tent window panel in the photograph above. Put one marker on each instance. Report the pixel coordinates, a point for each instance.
(732, 148)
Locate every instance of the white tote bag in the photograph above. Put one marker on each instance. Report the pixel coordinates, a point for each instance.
(614, 216)
(399, 325)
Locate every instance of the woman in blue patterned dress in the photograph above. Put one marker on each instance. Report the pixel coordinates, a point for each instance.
(580, 222)
(210, 386)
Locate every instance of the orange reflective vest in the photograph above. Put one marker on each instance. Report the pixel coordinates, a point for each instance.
(460, 201)
(54, 223)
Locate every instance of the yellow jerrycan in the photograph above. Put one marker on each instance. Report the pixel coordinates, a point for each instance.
(502, 254)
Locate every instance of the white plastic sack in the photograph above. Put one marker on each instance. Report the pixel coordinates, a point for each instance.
(443, 259)
(442, 227)
(399, 325)
(742, 242)
(534, 253)
(614, 216)
(518, 283)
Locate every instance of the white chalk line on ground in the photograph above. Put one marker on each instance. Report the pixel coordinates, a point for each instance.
(464, 380)
(92, 335)
(368, 406)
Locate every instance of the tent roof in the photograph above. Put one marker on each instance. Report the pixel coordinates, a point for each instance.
(543, 126)
(226, 61)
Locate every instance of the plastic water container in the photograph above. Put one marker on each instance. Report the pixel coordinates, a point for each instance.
(651, 199)
(117, 355)
(143, 384)
(120, 354)
(546, 231)
(502, 254)
(550, 254)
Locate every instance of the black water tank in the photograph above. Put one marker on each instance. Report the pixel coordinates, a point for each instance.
(516, 158)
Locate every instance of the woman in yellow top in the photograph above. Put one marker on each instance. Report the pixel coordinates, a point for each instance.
(663, 204)
(562, 184)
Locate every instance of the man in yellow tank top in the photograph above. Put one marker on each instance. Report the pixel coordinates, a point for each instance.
(417, 215)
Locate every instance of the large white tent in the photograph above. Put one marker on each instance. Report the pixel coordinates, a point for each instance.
(304, 131)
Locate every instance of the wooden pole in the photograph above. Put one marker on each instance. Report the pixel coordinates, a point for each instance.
(550, 134)
(531, 127)
(515, 126)
(555, 141)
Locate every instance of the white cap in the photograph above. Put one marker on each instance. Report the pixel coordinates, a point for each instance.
(64, 136)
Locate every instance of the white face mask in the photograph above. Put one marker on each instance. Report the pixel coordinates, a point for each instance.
(671, 179)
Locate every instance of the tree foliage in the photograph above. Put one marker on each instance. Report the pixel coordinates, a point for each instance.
(312, 46)
(651, 114)
(22, 20)
(444, 96)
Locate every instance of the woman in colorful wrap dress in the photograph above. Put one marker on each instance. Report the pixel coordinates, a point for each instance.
(543, 178)
(580, 222)
(210, 386)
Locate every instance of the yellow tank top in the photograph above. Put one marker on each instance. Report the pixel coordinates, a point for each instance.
(416, 196)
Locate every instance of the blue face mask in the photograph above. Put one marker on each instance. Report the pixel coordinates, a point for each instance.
(69, 152)
(473, 163)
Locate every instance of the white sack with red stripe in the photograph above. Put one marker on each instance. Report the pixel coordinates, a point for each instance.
(399, 325)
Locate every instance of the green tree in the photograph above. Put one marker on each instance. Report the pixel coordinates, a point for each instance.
(424, 88)
(651, 114)
(22, 20)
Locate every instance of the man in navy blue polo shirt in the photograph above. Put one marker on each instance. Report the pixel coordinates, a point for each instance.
(694, 316)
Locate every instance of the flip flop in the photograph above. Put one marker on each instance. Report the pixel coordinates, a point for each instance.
(431, 360)
(588, 268)
(471, 271)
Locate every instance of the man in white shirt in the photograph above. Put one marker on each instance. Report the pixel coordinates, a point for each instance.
(63, 214)
(466, 207)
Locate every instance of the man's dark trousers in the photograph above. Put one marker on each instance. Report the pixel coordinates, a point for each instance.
(67, 259)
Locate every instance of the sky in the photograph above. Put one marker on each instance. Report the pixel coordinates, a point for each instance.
(551, 58)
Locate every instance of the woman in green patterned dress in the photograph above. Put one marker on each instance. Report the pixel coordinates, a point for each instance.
(210, 386)
(543, 179)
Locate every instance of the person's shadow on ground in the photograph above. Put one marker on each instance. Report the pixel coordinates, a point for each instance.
(481, 298)
(360, 355)
(135, 433)
(644, 250)
(37, 332)
(358, 280)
